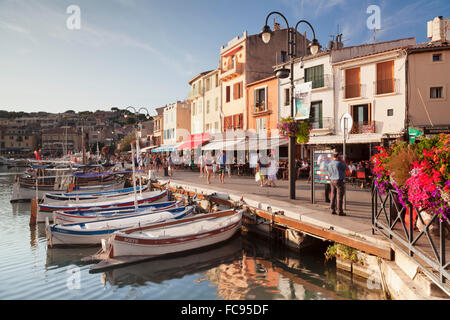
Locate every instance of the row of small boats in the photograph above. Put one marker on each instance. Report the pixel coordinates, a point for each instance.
(133, 225)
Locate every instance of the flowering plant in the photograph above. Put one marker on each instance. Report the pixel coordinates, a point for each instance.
(428, 185)
(298, 128)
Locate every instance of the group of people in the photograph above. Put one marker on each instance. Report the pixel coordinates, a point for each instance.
(212, 164)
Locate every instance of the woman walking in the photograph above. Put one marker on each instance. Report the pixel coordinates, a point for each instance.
(209, 162)
(272, 170)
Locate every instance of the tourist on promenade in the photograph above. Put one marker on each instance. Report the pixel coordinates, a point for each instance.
(222, 164)
(272, 170)
(209, 161)
(171, 165)
(201, 164)
(158, 163)
(263, 163)
(336, 170)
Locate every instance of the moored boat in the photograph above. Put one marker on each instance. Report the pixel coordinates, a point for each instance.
(70, 196)
(62, 217)
(91, 233)
(47, 209)
(180, 236)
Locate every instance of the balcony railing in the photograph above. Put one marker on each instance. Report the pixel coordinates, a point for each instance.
(423, 240)
(231, 71)
(324, 81)
(198, 91)
(323, 123)
(353, 91)
(260, 106)
(363, 127)
(386, 86)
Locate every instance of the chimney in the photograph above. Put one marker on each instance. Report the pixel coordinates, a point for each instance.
(438, 29)
(276, 26)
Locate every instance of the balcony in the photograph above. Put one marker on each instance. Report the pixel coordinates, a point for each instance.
(323, 124)
(194, 93)
(386, 86)
(231, 71)
(363, 127)
(324, 81)
(352, 91)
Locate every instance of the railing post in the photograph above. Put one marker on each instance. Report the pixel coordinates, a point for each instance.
(373, 209)
(442, 247)
(390, 213)
(411, 228)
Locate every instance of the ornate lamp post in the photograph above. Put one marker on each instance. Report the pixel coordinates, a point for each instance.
(283, 73)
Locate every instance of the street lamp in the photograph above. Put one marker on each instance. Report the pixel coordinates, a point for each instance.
(282, 73)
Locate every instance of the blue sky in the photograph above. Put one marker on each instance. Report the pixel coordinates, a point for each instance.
(143, 52)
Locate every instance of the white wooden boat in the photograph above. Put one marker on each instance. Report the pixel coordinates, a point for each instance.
(47, 209)
(180, 236)
(91, 233)
(61, 217)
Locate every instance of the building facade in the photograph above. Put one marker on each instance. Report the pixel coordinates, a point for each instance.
(246, 59)
(177, 122)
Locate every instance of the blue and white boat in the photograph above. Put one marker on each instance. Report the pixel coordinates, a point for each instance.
(92, 233)
(61, 217)
(70, 196)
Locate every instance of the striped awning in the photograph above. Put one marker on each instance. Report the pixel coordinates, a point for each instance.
(167, 147)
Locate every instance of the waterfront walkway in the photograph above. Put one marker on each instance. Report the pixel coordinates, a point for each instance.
(357, 223)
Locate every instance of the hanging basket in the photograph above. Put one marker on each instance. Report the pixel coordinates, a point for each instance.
(300, 129)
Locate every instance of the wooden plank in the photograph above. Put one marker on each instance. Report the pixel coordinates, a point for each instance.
(370, 248)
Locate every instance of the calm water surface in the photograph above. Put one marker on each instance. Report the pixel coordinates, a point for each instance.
(243, 268)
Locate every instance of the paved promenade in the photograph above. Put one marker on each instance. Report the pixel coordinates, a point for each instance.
(357, 222)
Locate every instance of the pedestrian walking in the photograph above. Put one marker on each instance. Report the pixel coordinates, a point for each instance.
(222, 165)
(201, 163)
(272, 170)
(209, 161)
(336, 170)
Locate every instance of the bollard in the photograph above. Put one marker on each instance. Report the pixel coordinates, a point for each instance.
(33, 212)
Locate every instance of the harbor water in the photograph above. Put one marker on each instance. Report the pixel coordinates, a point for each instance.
(244, 267)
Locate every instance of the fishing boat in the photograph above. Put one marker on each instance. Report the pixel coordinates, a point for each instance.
(161, 239)
(47, 209)
(60, 217)
(80, 196)
(91, 233)
(43, 179)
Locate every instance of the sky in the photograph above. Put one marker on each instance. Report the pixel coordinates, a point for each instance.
(142, 53)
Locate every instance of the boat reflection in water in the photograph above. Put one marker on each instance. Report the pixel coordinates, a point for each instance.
(162, 269)
(247, 268)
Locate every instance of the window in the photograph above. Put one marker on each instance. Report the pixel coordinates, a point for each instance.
(362, 119)
(260, 100)
(390, 112)
(437, 57)
(193, 109)
(200, 107)
(217, 104)
(237, 90)
(352, 86)
(217, 80)
(315, 75)
(436, 92)
(316, 115)
(261, 125)
(228, 94)
(385, 77)
(287, 98)
(207, 84)
(207, 106)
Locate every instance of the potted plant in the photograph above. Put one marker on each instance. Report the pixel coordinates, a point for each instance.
(297, 128)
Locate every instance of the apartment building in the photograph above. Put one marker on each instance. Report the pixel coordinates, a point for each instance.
(196, 98)
(158, 127)
(262, 101)
(428, 67)
(244, 60)
(213, 102)
(177, 122)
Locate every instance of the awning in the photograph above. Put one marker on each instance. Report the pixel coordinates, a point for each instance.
(167, 147)
(262, 144)
(352, 138)
(232, 51)
(222, 145)
(148, 148)
(194, 141)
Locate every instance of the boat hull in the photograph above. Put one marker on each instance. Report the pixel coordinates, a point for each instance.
(128, 245)
(58, 235)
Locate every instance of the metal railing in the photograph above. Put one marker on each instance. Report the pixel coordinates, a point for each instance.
(386, 86)
(425, 241)
(363, 127)
(322, 123)
(198, 91)
(354, 91)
